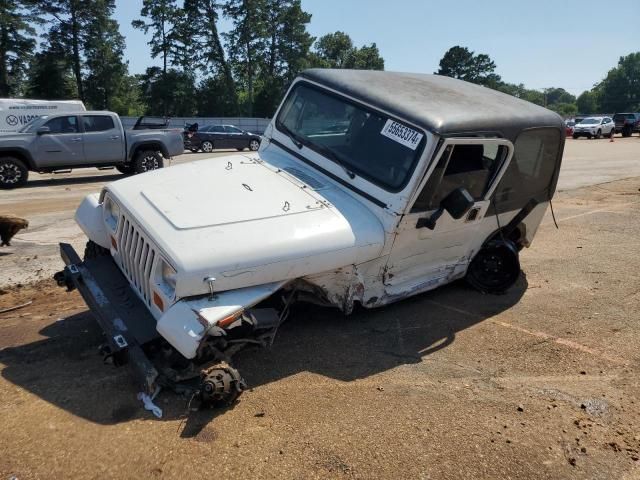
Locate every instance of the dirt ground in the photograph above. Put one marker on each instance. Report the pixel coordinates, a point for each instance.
(539, 383)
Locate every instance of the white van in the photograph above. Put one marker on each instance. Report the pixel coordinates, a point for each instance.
(15, 113)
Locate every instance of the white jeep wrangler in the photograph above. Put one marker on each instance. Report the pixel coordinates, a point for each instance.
(369, 187)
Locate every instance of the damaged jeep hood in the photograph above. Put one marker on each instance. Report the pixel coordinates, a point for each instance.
(246, 222)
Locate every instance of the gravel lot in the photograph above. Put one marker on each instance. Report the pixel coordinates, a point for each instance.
(539, 383)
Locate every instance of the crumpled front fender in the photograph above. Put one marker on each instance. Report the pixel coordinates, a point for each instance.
(187, 322)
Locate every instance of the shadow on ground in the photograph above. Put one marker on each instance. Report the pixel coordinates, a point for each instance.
(65, 369)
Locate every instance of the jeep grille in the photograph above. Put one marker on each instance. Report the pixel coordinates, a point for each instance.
(136, 257)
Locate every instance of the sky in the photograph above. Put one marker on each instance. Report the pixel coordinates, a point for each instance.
(543, 43)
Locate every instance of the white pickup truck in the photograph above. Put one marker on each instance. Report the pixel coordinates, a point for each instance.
(69, 140)
(368, 188)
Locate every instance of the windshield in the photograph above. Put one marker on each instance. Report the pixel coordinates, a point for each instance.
(591, 121)
(365, 143)
(34, 124)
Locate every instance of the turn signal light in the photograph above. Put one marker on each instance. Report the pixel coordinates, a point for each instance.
(157, 300)
(225, 322)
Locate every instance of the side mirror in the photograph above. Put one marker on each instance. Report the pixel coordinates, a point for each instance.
(457, 204)
(43, 130)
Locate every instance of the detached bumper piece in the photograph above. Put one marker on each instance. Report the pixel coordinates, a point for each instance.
(122, 316)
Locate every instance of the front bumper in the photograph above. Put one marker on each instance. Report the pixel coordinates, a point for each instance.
(123, 317)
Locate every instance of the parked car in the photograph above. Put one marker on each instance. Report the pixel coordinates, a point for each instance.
(65, 141)
(220, 136)
(369, 187)
(594, 127)
(569, 125)
(627, 123)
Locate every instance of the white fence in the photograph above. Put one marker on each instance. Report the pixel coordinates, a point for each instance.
(254, 125)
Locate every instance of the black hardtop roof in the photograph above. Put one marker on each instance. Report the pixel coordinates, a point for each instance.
(443, 105)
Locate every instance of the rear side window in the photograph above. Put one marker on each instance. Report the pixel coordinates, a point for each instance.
(231, 129)
(97, 123)
(216, 129)
(532, 166)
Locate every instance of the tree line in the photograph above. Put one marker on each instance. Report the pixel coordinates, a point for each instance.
(59, 49)
(619, 91)
(240, 72)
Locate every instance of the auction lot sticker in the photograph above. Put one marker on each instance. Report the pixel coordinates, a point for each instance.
(402, 134)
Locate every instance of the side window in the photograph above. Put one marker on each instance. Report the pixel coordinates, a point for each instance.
(469, 166)
(532, 167)
(230, 129)
(97, 123)
(63, 124)
(216, 129)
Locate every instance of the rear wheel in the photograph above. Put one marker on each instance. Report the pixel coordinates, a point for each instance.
(612, 132)
(626, 131)
(495, 268)
(575, 137)
(599, 134)
(13, 173)
(194, 150)
(207, 146)
(148, 160)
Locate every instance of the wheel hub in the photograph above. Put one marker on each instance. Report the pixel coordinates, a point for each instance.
(149, 163)
(10, 173)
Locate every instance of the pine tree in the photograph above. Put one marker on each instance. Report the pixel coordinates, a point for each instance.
(17, 42)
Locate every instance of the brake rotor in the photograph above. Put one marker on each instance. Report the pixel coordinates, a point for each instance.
(221, 385)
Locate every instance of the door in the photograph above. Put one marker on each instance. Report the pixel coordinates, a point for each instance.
(61, 146)
(216, 135)
(237, 138)
(422, 259)
(103, 142)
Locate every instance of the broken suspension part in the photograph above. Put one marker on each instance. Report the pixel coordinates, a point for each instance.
(221, 385)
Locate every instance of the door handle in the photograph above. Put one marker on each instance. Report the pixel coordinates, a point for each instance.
(77, 139)
(114, 137)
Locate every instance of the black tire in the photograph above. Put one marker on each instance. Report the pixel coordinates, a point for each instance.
(207, 146)
(611, 133)
(13, 173)
(194, 150)
(93, 250)
(126, 169)
(254, 145)
(240, 149)
(626, 132)
(599, 134)
(148, 160)
(495, 268)
(575, 137)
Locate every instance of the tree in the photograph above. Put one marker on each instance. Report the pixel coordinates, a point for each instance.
(365, 58)
(246, 42)
(103, 50)
(333, 50)
(68, 31)
(287, 52)
(50, 77)
(336, 50)
(17, 43)
(620, 90)
(460, 62)
(162, 15)
(206, 53)
(587, 102)
(170, 94)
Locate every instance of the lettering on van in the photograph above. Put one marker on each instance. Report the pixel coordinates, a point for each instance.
(402, 134)
(13, 120)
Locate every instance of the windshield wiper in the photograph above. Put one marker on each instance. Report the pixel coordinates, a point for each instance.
(334, 156)
(295, 138)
